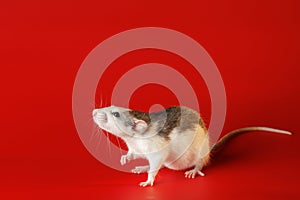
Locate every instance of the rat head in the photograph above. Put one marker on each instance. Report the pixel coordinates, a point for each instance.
(120, 121)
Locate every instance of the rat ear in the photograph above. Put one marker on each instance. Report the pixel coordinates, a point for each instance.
(139, 125)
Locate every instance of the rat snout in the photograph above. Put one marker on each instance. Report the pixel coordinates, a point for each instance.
(99, 116)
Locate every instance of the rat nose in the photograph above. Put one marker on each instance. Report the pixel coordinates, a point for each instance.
(95, 111)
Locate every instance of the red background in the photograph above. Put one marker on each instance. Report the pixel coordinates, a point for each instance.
(255, 45)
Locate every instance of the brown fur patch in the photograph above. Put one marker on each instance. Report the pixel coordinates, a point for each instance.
(173, 117)
(140, 115)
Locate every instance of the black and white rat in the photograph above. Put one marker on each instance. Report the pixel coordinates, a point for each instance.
(176, 138)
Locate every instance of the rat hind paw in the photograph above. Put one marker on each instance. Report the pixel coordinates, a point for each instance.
(192, 173)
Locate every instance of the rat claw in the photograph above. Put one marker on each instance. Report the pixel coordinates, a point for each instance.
(143, 184)
(123, 159)
(146, 183)
(200, 173)
(192, 173)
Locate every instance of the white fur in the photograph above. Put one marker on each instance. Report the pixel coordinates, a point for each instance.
(180, 151)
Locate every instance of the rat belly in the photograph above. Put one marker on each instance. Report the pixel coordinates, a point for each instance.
(188, 150)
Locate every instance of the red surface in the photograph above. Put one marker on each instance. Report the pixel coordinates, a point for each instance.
(255, 45)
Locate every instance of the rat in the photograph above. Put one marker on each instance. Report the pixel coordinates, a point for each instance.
(175, 138)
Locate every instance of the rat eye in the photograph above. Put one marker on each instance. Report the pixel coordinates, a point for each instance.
(116, 114)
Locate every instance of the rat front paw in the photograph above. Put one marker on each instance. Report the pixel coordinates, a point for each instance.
(146, 183)
(123, 159)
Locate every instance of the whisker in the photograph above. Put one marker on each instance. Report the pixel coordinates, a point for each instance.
(105, 101)
(100, 135)
(101, 101)
(92, 104)
(119, 145)
(93, 134)
(91, 119)
(108, 144)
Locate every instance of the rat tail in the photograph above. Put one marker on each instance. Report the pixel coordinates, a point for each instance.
(240, 131)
